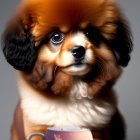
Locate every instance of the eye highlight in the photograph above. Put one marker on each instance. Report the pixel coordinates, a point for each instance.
(57, 38)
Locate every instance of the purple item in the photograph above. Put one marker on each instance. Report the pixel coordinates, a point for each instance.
(66, 133)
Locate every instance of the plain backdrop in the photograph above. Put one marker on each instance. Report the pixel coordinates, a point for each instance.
(128, 86)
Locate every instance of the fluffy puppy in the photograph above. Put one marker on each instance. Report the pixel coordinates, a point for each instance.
(68, 54)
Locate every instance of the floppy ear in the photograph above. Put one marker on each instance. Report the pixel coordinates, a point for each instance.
(18, 46)
(122, 43)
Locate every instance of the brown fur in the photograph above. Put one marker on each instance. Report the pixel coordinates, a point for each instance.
(48, 78)
(33, 14)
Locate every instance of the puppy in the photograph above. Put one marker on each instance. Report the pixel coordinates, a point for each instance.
(68, 55)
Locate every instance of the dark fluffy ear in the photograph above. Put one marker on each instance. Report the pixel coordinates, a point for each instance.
(122, 43)
(18, 46)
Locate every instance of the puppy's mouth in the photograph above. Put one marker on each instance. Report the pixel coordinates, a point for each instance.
(77, 68)
(78, 63)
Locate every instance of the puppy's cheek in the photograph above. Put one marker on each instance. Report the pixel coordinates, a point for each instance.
(46, 55)
(90, 56)
(105, 53)
(64, 59)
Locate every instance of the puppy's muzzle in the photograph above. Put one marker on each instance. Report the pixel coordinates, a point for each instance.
(78, 53)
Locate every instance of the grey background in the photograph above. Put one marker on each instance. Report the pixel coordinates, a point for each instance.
(128, 87)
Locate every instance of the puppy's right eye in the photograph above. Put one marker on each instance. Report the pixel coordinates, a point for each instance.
(57, 38)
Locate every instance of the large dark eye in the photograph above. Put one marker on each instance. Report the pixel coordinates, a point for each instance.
(57, 38)
(93, 35)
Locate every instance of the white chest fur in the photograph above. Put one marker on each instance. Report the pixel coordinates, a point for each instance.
(78, 110)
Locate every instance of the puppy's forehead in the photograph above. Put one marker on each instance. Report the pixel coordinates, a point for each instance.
(67, 28)
(64, 28)
(64, 10)
(68, 15)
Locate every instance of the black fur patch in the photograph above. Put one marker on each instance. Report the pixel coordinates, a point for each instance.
(18, 47)
(117, 127)
(122, 44)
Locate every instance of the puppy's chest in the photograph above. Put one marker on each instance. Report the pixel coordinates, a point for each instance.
(77, 110)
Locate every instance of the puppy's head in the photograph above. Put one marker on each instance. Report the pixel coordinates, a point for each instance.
(73, 36)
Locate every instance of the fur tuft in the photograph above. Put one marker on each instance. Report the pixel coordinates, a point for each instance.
(18, 48)
(122, 44)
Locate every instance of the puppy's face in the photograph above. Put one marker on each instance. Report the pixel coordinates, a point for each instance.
(72, 36)
(75, 52)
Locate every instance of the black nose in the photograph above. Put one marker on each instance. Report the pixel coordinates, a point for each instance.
(78, 52)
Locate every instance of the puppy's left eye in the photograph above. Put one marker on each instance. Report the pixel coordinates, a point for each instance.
(57, 38)
(93, 35)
